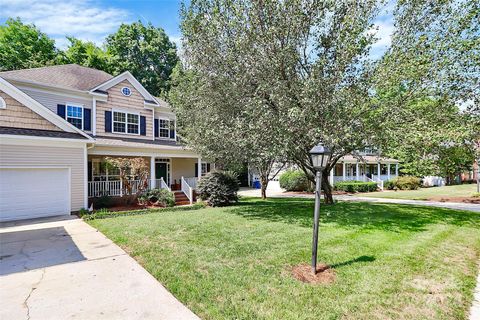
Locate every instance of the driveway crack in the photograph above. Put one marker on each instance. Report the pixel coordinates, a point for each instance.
(34, 286)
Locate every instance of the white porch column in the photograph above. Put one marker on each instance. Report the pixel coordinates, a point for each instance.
(152, 172)
(94, 117)
(396, 169)
(199, 170)
(344, 171)
(379, 172)
(331, 175)
(357, 168)
(388, 171)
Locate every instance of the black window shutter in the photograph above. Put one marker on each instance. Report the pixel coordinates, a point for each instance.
(87, 119)
(90, 171)
(108, 121)
(143, 125)
(172, 129)
(155, 129)
(196, 169)
(208, 167)
(61, 110)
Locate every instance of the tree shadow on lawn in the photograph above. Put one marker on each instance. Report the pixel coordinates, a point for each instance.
(375, 216)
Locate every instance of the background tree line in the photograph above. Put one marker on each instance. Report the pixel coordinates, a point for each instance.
(144, 50)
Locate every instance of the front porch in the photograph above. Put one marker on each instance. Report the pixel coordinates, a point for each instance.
(177, 174)
(373, 170)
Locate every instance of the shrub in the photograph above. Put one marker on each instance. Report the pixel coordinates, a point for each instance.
(218, 188)
(103, 202)
(476, 195)
(406, 183)
(388, 185)
(356, 186)
(294, 180)
(159, 197)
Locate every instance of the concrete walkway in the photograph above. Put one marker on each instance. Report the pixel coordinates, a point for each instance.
(475, 310)
(274, 191)
(65, 269)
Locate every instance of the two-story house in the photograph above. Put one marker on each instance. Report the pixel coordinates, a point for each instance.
(59, 123)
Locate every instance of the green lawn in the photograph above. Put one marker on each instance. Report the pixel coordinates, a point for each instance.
(463, 190)
(391, 261)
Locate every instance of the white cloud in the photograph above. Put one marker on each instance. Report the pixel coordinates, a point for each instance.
(83, 19)
(383, 30)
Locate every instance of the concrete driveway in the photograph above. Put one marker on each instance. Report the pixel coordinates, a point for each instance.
(65, 269)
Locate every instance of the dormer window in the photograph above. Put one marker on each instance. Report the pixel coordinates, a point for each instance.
(126, 91)
(75, 116)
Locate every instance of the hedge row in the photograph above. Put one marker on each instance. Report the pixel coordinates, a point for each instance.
(356, 186)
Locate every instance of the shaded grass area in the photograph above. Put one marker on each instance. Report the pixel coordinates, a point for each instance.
(462, 190)
(391, 261)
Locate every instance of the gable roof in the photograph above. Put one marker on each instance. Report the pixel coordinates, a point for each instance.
(130, 78)
(38, 108)
(68, 76)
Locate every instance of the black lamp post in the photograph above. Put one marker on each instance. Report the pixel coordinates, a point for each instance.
(320, 157)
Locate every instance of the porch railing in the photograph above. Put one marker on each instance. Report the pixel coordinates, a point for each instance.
(104, 188)
(378, 180)
(187, 189)
(161, 184)
(192, 182)
(115, 188)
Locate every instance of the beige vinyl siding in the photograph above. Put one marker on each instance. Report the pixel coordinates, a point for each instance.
(51, 100)
(43, 156)
(17, 115)
(116, 100)
(183, 167)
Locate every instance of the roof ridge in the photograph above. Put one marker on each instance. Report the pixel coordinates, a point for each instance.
(57, 66)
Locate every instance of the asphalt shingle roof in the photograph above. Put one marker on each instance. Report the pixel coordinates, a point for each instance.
(40, 133)
(69, 76)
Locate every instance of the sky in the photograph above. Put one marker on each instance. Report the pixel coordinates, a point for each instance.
(94, 20)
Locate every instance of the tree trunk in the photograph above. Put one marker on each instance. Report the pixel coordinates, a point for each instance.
(263, 186)
(327, 188)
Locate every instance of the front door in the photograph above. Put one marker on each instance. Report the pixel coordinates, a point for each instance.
(161, 171)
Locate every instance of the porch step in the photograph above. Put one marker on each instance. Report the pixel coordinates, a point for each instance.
(180, 198)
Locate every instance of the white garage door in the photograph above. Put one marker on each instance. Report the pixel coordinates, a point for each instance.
(32, 193)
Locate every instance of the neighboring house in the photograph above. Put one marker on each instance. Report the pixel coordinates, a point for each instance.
(366, 165)
(57, 125)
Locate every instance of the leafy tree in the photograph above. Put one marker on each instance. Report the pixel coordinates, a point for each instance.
(24, 46)
(145, 51)
(87, 54)
(222, 125)
(297, 70)
(431, 67)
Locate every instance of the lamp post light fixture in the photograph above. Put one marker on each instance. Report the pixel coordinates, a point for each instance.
(320, 157)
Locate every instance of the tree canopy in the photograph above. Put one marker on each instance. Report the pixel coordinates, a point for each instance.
(24, 46)
(145, 51)
(87, 54)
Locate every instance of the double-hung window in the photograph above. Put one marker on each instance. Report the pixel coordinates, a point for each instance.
(75, 116)
(124, 122)
(163, 128)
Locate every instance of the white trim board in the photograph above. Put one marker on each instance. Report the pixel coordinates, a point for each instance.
(130, 78)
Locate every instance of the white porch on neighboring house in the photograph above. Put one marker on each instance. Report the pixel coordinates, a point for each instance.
(177, 174)
(369, 168)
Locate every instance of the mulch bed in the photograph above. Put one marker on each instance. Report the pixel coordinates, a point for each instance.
(131, 207)
(324, 275)
(474, 200)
